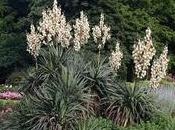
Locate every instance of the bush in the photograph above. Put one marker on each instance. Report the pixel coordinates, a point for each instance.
(56, 97)
(65, 88)
(15, 78)
(129, 105)
(50, 63)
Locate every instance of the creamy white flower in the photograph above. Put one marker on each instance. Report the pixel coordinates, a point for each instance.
(33, 41)
(81, 31)
(10, 86)
(53, 26)
(101, 33)
(96, 33)
(116, 57)
(159, 68)
(142, 54)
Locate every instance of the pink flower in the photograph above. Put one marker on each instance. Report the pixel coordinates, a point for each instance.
(10, 95)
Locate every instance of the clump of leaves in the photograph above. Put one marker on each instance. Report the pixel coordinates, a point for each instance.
(100, 77)
(56, 105)
(129, 104)
(49, 65)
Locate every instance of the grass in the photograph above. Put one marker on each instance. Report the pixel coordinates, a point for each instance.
(5, 103)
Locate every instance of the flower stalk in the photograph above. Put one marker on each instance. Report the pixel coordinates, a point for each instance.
(101, 34)
(159, 68)
(142, 54)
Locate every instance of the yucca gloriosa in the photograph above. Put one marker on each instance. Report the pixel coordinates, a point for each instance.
(129, 104)
(57, 93)
(65, 86)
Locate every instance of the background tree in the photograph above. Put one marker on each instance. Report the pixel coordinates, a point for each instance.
(13, 24)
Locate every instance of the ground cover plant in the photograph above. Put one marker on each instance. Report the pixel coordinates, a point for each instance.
(161, 122)
(68, 90)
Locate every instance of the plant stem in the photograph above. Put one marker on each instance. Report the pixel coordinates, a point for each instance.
(99, 56)
(36, 63)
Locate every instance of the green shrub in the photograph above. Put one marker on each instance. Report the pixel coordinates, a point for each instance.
(15, 78)
(99, 76)
(51, 62)
(56, 97)
(129, 105)
(65, 87)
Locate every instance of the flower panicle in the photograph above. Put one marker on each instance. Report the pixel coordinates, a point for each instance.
(81, 31)
(54, 27)
(33, 41)
(142, 54)
(115, 58)
(159, 68)
(101, 32)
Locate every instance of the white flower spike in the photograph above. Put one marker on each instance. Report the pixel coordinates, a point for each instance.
(101, 33)
(115, 58)
(142, 54)
(81, 31)
(33, 41)
(159, 68)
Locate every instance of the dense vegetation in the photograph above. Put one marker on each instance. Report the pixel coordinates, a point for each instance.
(75, 77)
(128, 19)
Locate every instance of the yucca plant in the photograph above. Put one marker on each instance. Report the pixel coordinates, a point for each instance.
(100, 77)
(51, 61)
(30, 82)
(129, 104)
(56, 105)
(49, 64)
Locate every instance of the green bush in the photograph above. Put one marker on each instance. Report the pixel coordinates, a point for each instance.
(15, 78)
(129, 104)
(66, 87)
(57, 96)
